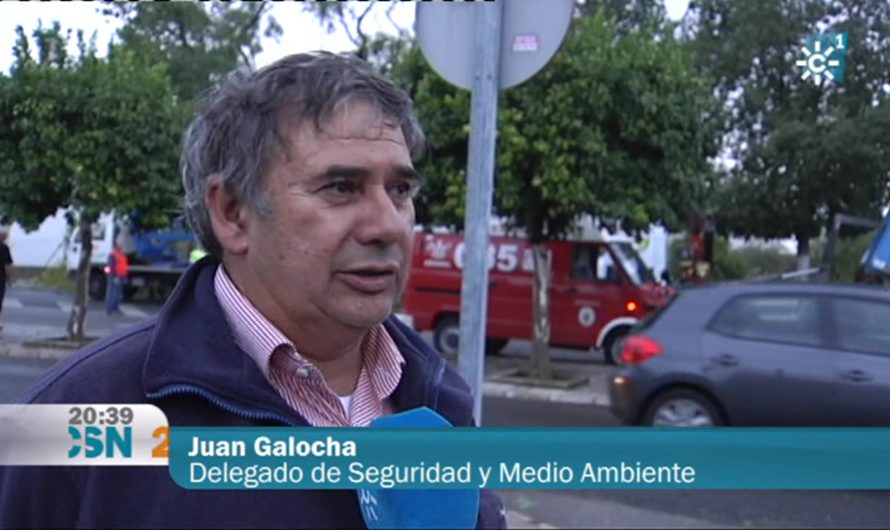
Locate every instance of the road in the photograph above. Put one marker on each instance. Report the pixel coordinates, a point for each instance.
(567, 509)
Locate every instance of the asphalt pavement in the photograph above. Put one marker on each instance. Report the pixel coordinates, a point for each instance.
(35, 313)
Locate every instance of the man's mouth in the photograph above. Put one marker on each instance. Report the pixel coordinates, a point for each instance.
(371, 279)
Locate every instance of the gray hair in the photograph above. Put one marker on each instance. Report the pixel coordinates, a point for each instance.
(241, 126)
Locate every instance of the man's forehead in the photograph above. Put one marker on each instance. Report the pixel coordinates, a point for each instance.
(355, 119)
(346, 127)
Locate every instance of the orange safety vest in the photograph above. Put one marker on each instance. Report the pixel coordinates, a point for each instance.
(121, 266)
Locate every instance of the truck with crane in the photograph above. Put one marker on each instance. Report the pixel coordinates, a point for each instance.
(157, 257)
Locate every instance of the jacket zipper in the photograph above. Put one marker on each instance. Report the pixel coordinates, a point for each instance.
(219, 402)
(432, 401)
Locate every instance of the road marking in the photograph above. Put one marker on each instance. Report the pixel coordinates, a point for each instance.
(12, 302)
(133, 311)
(64, 306)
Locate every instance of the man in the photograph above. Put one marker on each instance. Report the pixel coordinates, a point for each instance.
(6, 276)
(299, 182)
(118, 269)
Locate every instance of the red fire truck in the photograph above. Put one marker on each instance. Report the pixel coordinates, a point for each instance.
(598, 291)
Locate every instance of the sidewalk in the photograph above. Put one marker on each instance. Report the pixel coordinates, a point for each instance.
(566, 509)
(14, 335)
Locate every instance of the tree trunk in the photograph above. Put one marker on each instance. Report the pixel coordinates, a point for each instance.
(541, 367)
(803, 252)
(79, 307)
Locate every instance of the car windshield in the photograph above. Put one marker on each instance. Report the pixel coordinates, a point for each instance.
(636, 268)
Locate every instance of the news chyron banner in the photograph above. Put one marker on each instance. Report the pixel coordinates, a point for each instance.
(83, 435)
(408, 451)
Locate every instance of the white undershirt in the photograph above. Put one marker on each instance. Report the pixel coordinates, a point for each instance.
(347, 402)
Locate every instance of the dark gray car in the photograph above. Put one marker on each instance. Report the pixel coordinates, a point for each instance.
(760, 354)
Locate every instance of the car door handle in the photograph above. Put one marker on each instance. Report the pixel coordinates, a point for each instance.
(726, 359)
(856, 376)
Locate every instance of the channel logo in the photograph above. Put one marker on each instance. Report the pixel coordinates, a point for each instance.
(823, 57)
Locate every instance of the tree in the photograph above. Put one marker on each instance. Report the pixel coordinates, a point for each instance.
(806, 151)
(351, 17)
(648, 16)
(617, 125)
(87, 134)
(200, 42)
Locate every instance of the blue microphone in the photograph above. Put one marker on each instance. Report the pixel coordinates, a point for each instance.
(427, 508)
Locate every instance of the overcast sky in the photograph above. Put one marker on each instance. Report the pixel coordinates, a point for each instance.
(302, 32)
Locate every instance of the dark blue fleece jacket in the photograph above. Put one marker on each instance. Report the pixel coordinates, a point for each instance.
(186, 362)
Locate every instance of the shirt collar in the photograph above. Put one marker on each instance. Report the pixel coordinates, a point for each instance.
(259, 338)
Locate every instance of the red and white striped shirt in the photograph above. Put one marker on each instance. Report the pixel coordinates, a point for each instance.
(297, 380)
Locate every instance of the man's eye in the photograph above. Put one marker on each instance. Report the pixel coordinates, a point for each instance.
(341, 187)
(404, 190)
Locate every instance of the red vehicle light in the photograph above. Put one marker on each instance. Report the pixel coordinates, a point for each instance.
(639, 348)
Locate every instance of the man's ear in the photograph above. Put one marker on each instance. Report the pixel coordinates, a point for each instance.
(228, 216)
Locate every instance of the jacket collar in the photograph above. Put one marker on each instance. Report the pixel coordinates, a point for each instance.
(192, 350)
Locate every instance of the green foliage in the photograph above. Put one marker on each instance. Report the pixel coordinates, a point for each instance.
(806, 151)
(87, 133)
(766, 261)
(728, 265)
(617, 125)
(848, 256)
(199, 42)
(56, 278)
(648, 16)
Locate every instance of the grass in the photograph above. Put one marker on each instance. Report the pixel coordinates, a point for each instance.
(55, 278)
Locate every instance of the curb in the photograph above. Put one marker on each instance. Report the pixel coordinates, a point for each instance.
(17, 351)
(582, 396)
(521, 520)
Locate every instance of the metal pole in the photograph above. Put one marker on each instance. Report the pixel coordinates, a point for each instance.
(480, 181)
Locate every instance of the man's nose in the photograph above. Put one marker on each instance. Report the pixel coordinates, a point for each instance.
(382, 221)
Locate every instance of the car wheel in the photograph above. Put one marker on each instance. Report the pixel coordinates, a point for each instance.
(446, 336)
(495, 346)
(683, 408)
(613, 345)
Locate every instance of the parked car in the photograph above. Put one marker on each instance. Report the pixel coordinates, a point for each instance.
(759, 354)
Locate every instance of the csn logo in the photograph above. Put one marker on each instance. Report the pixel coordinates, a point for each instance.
(95, 442)
(823, 57)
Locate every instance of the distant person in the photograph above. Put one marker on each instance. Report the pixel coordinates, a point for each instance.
(6, 273)
(300, 182)
(118, 269)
